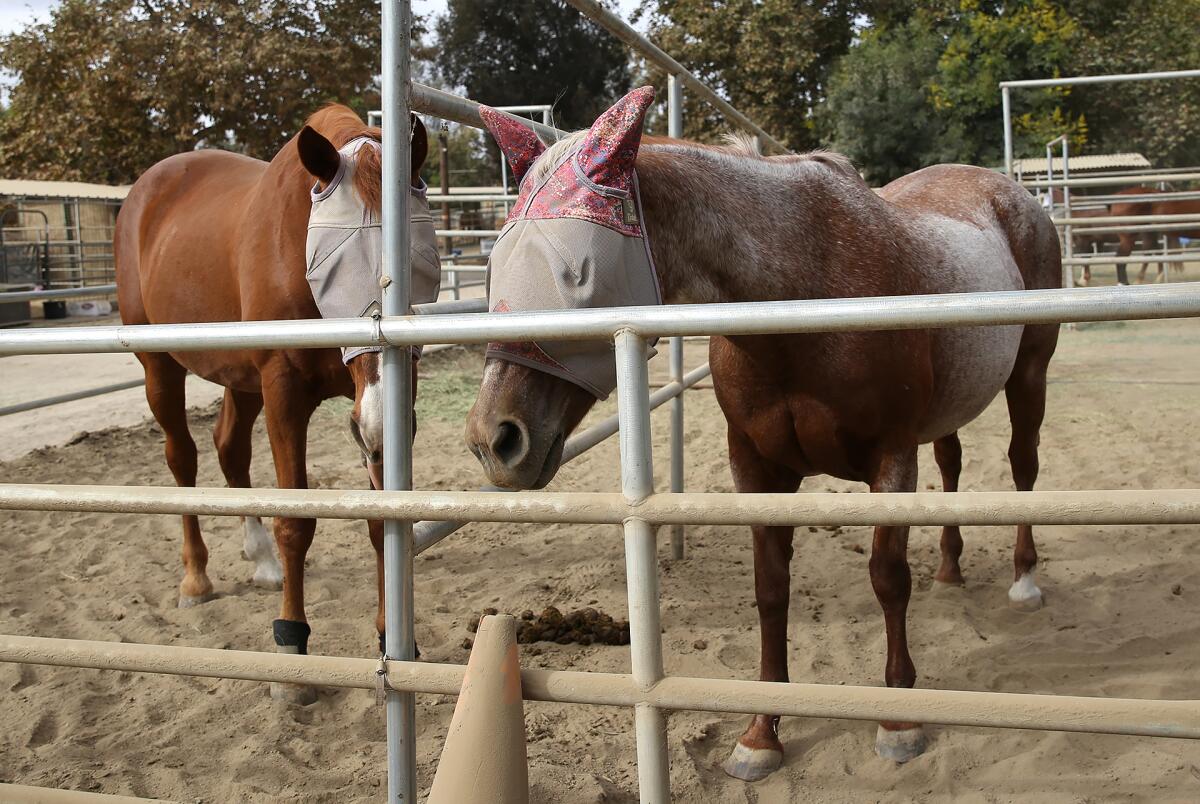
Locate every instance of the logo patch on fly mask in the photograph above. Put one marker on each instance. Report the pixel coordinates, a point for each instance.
(574, 240)
(344, 249)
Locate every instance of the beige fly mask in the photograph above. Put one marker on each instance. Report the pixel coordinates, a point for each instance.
(345, 249)
(574, 239)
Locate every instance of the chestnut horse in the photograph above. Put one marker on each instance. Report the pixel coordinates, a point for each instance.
(726, 224)
(216, 236)
(1151, 239)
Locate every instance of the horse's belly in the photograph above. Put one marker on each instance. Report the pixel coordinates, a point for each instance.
(971, 366)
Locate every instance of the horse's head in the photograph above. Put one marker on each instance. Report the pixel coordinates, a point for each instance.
(574, 239)
(345, 248)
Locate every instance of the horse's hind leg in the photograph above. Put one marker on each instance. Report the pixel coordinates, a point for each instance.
(948, 452)
(891, 578)
(232, 437)
(1026, 395)
(165, 393)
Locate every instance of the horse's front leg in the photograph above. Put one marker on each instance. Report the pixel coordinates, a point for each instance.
(758, 751)
(896, 470)
(288, 410)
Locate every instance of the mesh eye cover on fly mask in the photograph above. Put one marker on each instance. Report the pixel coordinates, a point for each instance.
(574, 240)
(344, 249)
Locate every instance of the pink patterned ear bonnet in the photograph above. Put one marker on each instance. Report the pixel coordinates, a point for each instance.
(574, 239)
(345, 249)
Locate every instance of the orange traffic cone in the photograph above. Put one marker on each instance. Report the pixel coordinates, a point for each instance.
(483, 760)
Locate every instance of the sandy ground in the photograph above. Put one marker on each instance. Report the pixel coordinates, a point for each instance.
(1121, 618)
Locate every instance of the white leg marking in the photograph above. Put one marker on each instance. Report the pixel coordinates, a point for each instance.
(370, 417)
(1024, 593)
(259, 547)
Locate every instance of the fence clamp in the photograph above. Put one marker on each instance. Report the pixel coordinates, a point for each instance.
(381, 681)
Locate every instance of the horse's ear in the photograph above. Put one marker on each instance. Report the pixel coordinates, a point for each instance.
(420, 143)
(610, 148)
(318, 155)
(517, 142)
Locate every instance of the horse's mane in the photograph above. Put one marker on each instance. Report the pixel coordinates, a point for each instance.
(738, 145)
(340, 124)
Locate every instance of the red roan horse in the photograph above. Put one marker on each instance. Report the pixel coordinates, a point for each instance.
(726, 224)
(216, 236)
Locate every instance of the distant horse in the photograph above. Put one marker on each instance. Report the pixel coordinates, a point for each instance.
(725, 224)
(216, 236)
(1151, 240)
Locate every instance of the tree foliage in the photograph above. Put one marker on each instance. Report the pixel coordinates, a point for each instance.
(878, 107)
(1160, 119)
(946, 60)
(770, 58)
(106, 88)
(531, 51)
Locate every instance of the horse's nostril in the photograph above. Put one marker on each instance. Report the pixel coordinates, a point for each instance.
(509, 443)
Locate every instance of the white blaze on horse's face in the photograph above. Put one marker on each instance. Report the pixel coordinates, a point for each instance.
(344, 250)
(575, 239)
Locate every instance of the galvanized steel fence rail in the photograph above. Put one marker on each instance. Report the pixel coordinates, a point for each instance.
(639, 510)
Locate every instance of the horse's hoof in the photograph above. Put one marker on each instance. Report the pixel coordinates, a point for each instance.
(298, 694)
(752, 764)
(900, 746)
(187, 601)
(1024, 594)
(942, 585)
(268, 577)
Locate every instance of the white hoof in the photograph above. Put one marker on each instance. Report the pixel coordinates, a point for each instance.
(1024, 594)
(752, 764)
(298, 694)
(268, 576)
(188, 601)
(900, 746)
(259, 547)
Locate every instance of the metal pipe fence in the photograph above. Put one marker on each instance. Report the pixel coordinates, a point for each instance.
(637, 508)
(1006, 100)
(1179, 719)
(1111, 181)
(775, 317)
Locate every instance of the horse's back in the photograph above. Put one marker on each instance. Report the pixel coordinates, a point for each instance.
(176, 247)
(176, 237)
(985, 200)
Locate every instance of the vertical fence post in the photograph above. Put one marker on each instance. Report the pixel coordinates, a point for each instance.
(1068, 245)
(675, 129)
(641, 565)
(1006, 103)
(397, 395)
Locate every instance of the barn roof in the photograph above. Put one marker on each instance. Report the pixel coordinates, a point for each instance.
(1089, 162)
(23, 188)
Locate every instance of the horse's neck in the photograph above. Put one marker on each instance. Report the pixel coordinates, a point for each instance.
(727, 228)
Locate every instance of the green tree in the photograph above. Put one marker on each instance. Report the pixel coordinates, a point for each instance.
(1008, 41)
(106, 88)
(878, 110)
(1160, 119)
(770, 58)
(532, 51)
(923, 87)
